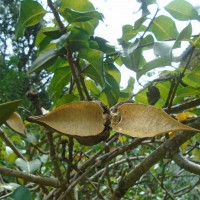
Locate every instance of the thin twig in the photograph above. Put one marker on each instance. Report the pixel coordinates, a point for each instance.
(82, 80)
(72, 67)
(70, 158)
(186, 164)
(57, 17)
(53, 182)
(53, 156)
(11, 145)
(179, 80)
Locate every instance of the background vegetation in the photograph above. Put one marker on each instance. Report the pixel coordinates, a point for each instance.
(50, 63)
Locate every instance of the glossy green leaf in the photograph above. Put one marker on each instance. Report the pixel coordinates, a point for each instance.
(129, 32)
(6, 109)
(188, 91)
(159, 62)
(21, 193)
(51, 32)
(196, 42)
(44, 60)
(45, 36)
(163, 28)
(129, 88)
(146, 42)
(79, 5)
(82, 6)
(107, 96)
(139, 22)
(113, 85)
(76, 45)
(31, 13)
(111, 69)
(28, 166)
(133, 57)
(92, 87)
(60, 79)
(181, 10)
(163, 49)
(184, 35)
(75, 16)
(95, 58)
(192, 78)
(61, 41)
(67, 98)
(93, 74)
(104, 46)
(78, 33)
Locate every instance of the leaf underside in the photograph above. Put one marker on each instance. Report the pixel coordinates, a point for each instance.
(76, 118)
(137, 120)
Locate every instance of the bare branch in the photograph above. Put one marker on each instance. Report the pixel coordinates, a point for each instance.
(53, 182)
(166, 149)
(186, 164)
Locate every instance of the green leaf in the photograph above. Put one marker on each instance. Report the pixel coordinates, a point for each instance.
(163, 49)
(188, 91)
(92, 87)
(95, 58)
(67, 98)
(163, 28)
(129, 88)
(104, 46)
(196, 42)
(74, 16)
(31, 13)
(28, 166)
(52, 32)
(44, 60)
(21, 193)
(181, 10)
(107, 97)
(111, 69)
(79, 5)
(113, 85)
(78, 33)
(159, 62)
(61, 41)
(76, 45)
(192, 78)
(93, 74)
(82, 6)
(60, 79)
(184, 35)
(133, 57)
(129, 32)
(6, 109)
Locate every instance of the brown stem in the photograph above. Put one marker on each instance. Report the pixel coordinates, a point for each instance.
(70, 158)
(82, 80)
(30, 177)
(186, 164)
(11, 145)
(57, 17)
(54, 159)
(178, 108)
(179, 80)
(71, 64)
(168, 148)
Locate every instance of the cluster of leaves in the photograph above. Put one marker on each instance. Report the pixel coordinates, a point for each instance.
(85, 67)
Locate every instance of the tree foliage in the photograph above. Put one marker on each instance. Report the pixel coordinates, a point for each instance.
(77, 151)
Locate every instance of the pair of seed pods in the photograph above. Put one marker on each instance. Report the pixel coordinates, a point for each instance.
(91, 122)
